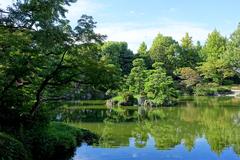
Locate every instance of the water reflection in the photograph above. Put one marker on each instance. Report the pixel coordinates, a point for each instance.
(202, 129)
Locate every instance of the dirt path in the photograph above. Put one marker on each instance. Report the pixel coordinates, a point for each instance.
(234, 93)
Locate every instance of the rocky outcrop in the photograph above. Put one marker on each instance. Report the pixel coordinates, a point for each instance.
(141, 100)
(111, 103)
(149, 103)
(126, 103)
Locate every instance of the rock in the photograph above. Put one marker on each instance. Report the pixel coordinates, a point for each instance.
(88, 96)
(141, 100)
(99, 95)
(148, 103)
(111, 103)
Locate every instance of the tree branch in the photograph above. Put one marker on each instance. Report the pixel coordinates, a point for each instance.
(44, 83)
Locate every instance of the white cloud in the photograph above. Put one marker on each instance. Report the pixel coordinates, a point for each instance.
(5, 3)
(74, 11)
(83, 7)
(78, 8)
(134, 34)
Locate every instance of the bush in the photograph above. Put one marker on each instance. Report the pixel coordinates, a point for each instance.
(128, 97)
(202, 90)
(57, 140)
(210, 89)
(223, 90)
(11, 148)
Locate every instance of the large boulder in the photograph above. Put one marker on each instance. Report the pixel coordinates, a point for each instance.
(141, 100)
(149, 103)
(111, 103)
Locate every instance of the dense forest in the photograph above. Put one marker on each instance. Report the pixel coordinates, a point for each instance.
(43, 58)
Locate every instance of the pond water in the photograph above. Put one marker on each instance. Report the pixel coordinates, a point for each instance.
(198, 129)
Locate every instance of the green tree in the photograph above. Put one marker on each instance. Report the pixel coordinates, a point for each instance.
(189, 55)
(118, 54)
(215, 67)
(41, 53)
(142, 50)
(144, 54)
(189, 77)
(159, 86)
(215, 45)
(165, 50)
(136, 78)
(233, 50)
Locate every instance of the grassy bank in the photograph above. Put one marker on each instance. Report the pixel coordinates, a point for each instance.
(211, 89)
(11, 148)
(54, 141)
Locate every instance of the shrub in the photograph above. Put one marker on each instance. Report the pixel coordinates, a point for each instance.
(202, 90)
(210, 89)
(189, 76)
(11, 148)
(223, 90)
(56, 140)
(128, 97)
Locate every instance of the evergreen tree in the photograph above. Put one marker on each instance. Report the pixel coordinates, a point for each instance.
(159, 87)
(189, 55)
(136, 78)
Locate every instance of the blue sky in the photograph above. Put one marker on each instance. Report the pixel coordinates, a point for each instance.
(135, 21)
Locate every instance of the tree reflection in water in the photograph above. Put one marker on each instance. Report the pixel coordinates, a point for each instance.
(217, 121)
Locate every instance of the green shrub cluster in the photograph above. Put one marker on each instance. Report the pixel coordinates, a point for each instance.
(56, 140)
(52, 141)
(210, 89)
(11, 148)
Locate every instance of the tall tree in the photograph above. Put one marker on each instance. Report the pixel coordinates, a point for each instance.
(165, 50)
(215, 68)
(40, 51)
(144, 54)
(118, 53)
(136, 78)
(215, 45)
(142, 50)
(159, 86)
(189, 55)
(233, 50)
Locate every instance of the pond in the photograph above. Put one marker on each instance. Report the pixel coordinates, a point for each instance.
(198, 129)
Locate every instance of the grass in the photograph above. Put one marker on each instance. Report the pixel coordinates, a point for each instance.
(52, 141)
(84, 107)
(235, 87)
(86, 102)
(120, 98)
(11, 148)
(211, 90)
(58, 140)
(83, 103)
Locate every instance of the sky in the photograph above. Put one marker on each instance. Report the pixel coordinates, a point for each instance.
(135, 21)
